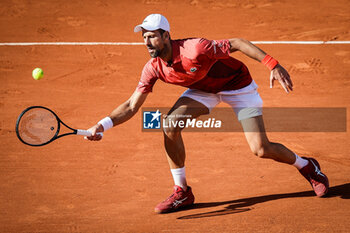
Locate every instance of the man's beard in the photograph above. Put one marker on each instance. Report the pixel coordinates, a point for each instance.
(155, 53)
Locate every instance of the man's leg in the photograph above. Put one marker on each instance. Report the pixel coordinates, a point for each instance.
(176, 155)
(254, 131)
(260, 145)
(173, 142)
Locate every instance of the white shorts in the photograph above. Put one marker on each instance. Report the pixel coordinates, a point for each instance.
(246, 102)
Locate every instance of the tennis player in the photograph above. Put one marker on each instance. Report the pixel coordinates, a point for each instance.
(212, 76)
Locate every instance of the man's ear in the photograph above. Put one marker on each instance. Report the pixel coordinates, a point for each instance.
(166, 35)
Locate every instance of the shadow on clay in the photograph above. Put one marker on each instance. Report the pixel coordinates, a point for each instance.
(244, 204)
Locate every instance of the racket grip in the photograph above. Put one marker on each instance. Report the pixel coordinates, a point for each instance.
(85, 132)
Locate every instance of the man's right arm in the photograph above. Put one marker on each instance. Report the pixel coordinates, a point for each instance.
(129, 108)
(122, 113)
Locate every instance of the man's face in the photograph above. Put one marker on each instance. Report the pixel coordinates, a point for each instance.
(154, 41)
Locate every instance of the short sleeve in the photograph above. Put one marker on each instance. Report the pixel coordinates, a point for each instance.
(215, 49)
(148, 78)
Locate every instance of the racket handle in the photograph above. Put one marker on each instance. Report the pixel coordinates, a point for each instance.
(85, 132)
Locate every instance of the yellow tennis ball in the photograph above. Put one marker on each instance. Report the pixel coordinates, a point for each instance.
(37, 73)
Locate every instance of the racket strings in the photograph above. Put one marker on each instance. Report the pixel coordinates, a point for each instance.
(37, 126)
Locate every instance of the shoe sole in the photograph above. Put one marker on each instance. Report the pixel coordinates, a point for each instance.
(189, 206)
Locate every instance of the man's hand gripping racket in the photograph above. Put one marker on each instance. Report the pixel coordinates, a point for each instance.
(38, 126)
(96, 133)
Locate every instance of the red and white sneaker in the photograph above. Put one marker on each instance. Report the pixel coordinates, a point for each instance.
(318, 180)
(178, 199)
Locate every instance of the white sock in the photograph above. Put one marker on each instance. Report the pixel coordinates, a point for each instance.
(179, 176)
(300, 162)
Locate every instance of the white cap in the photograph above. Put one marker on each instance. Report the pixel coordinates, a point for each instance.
(153, 22)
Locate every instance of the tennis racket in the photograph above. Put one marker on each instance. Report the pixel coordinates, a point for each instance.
(38, 126)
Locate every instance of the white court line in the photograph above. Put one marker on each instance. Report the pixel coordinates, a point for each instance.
(140, 43)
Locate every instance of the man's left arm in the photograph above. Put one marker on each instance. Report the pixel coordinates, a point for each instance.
(277, 71)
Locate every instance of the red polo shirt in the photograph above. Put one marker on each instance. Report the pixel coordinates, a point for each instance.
(197, 63)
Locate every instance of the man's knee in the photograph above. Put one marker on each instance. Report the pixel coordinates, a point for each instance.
(170, 129)
(261, 150)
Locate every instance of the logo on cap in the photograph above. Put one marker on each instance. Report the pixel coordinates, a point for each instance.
(193, 69)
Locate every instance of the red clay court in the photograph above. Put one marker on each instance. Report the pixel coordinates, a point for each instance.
(73, 185)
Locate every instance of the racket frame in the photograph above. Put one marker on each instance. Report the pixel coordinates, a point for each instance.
(56, 136)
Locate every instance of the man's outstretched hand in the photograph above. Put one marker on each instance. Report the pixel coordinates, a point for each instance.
(280, 74)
